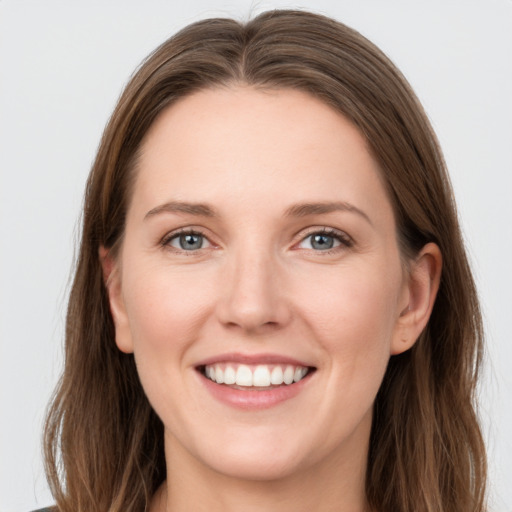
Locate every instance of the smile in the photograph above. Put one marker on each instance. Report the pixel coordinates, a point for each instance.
(262, 376)
(254, 382)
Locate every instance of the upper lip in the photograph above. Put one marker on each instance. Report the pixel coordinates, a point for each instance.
(252, 359)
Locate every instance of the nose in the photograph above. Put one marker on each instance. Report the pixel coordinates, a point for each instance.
(253, 293)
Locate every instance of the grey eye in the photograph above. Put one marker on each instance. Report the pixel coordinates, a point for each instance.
(188, 241)
(322, 242)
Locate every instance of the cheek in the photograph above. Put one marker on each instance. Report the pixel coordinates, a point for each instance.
(166, 311)
(165, 308)
(353, 305)
(352, 315)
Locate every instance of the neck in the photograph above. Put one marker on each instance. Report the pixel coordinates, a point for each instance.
(337, 484)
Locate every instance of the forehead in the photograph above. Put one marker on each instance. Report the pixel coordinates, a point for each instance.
(255, 146)
(255, 119)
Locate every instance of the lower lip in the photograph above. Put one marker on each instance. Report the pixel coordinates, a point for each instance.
(253, 399)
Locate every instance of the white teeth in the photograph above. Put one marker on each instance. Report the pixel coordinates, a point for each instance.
(288, 375)
(260, 376)
(276, 378)
(219, 375)
(243, 376)
(229, 375)
(299, 374)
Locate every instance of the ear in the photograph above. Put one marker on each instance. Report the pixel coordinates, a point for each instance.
(420, 291)
(112, 280)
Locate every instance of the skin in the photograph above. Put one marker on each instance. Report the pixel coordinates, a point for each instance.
(259, 286)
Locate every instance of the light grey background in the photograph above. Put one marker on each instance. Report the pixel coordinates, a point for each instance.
(62, 67)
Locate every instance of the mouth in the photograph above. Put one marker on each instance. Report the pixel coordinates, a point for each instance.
(254, 382)
(255, 377)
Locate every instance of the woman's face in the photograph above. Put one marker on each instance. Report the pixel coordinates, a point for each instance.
(260, 247)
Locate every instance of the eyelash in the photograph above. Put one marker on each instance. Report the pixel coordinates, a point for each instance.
(344, 240)
(165, 242)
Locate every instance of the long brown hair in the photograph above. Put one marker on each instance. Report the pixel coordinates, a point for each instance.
(103, 442)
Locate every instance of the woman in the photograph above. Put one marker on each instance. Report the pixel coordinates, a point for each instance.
(272, 307)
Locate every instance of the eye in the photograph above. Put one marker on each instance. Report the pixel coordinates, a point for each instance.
(187, 241)
(325, 240)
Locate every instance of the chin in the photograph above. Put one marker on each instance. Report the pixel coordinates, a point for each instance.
(257, 466)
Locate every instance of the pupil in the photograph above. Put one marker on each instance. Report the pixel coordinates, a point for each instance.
(322, 242)
(190, 241)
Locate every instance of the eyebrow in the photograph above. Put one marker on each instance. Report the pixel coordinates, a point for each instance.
(199, 209)
(306, 209)
(296, 210)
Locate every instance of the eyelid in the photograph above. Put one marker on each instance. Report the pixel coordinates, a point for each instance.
(345, 240)
(165, 240)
